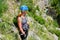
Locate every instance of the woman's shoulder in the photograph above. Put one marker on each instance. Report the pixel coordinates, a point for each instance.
(19, 17)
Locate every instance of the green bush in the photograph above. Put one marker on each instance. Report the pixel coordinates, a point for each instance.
(4, 27)
(54, 2)
(31, 38)
(59, 38)
(55, 24)
(3, 7)
(39, 19)
(56, 5)
(55, 31)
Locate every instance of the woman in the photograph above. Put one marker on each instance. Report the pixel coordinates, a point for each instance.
(22, 22)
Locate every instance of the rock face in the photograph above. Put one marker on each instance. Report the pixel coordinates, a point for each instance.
(37, 31)
(41, 3)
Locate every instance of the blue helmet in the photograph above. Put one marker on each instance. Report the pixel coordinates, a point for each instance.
(24, 8)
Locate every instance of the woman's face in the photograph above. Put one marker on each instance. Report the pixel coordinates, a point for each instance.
(24, 12)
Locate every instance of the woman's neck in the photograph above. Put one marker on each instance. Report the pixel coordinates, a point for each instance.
(23, 16)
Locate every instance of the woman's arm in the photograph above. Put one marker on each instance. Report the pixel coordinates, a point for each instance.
(20, 25)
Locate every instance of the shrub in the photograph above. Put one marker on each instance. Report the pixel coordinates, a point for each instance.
(39, 19)
(56, 5)
(55, 24)
(3, 7)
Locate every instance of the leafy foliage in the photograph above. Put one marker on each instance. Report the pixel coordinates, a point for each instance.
(56, 5)
(3, 7)
(39, 19)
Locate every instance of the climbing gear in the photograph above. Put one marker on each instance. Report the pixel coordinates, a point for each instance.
(24, 8)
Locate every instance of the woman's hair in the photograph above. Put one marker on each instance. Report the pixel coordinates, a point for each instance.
(20, 14)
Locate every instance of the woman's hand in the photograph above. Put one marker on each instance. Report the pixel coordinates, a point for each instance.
(23, 33)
